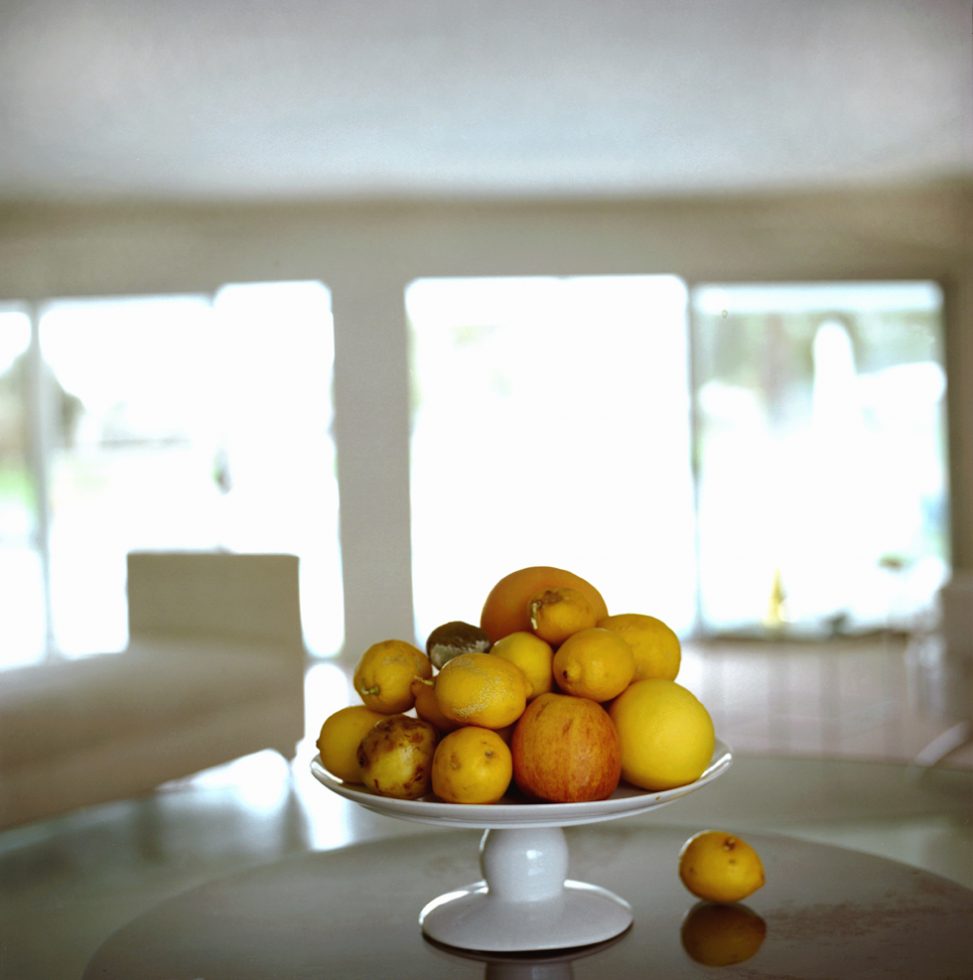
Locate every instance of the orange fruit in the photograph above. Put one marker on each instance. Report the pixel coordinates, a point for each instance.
(507, 606)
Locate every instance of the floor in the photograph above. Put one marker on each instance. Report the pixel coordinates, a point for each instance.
(829, 745)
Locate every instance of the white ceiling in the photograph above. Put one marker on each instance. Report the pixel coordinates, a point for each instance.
(255, 99)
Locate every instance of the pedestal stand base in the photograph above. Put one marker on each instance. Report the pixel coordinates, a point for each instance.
(525, 902)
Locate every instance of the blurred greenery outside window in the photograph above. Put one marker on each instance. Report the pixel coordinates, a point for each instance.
(750, 459)
(182, 422)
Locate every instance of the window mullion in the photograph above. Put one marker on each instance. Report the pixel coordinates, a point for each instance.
(38, 396)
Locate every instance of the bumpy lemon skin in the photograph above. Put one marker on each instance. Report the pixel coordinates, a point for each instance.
(481, 689)
(720, 867)
(395, 757)
(472, 765)
(384, 675)
(555, 614)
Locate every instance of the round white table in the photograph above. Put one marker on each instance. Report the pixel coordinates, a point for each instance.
(353, 913)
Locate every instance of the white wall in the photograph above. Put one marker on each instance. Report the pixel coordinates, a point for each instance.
(366, 253)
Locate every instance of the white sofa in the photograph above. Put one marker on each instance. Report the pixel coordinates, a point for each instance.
(213, 671)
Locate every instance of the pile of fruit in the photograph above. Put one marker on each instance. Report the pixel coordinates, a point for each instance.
(548, 699)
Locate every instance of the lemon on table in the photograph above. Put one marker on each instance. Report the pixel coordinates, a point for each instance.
(385, 672)
(594, 663)
(471, 765)
(482, 689)
(532, 655)
(666, 734)
(339, 738)
(557, 613)
(720, 867)
(657, 650)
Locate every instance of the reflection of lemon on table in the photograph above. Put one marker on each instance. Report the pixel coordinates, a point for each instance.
(482, 689)
(471, 765)
(594, 663)
(656, 647)
(720, 867)
(532, 655)
(721, 935)
(666, 734)
(339, 738)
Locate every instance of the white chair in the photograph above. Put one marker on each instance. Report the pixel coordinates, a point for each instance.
(214, 670)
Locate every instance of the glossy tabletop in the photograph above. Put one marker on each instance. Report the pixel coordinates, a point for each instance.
(824, 912)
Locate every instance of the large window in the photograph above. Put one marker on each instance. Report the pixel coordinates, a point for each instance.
(822, 454)
(732, 458)
(163, 422)
(551, 424)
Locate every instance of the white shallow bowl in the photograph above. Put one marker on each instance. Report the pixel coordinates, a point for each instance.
(509, 813)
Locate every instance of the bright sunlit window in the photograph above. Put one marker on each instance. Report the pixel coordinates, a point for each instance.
(179, 422)
(551, 426)
(822, 454)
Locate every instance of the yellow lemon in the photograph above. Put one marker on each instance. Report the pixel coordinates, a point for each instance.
(557, 613)
(338, 741)
(395, 757)
(506, 609)
(427, 708)
(720, 867)
(594, 663)
(721, 935)
(532, 655)
(666, 734)
(481, 689)
(384, 675)
(656, 647)
(471, 765)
